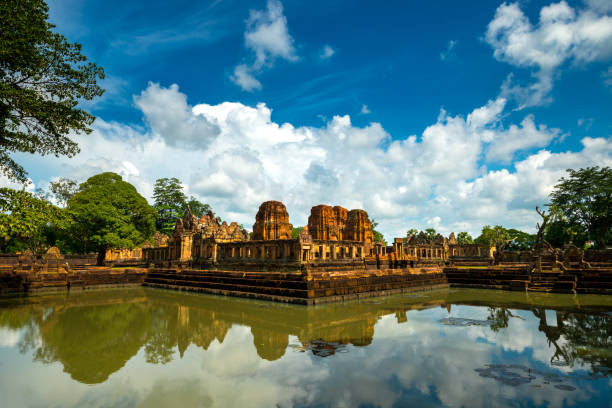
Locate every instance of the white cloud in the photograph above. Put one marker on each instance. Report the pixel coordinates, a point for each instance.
(449, 48)
(243, 78)
(249, 158)
(365, 110)
(169, 116)
(9, 337)
(522, 137)
(267, 36)
(327, 52)
(562, 34)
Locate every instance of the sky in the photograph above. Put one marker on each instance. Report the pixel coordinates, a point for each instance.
(446, 115)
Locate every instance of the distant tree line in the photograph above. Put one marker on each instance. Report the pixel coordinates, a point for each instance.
(580, 212)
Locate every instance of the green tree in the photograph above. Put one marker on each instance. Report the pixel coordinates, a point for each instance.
(493, 236)
(559, 231)
(431, 233)
(520, 240)
(463, 238)
(62, 189)
(27, 221)
(108, 212)
(512, 239)
(169, 202)
(412, 231)
(584, 199)
(197, 207)
(378, 237)
(42, 79)
(295, 232)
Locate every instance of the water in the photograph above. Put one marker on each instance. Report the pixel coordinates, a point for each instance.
(154, 348)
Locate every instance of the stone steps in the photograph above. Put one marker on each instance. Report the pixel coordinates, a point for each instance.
(276, 291)
(271, 285)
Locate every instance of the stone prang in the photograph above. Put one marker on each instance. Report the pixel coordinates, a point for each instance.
(272, 222)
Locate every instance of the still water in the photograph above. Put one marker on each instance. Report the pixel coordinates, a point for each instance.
(153, 348)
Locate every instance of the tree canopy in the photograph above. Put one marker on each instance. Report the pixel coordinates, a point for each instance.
(27, 221)
(170, 203)
(42, 79)
(197, 207)
(583, 203)
(62, 189)
(512, 239)
(463, 238)
(108, 212)
(378, 236)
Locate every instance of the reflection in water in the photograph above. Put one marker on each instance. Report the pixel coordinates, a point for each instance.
(94, 334)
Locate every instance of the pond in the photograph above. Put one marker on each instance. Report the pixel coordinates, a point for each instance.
(153, 348)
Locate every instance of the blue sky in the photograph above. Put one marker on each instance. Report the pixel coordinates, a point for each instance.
(427, 114)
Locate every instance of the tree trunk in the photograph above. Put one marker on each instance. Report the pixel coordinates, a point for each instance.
(101, 256)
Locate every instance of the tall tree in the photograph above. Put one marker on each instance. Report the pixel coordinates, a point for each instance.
(412, 231)
(42, 79)
(108, 212)
(62, 189)
(27, 221)
(463, 238)
(197, 207)
(378, 236)
(512, 239)
(431, 233)
(584, 199)
(170, 203)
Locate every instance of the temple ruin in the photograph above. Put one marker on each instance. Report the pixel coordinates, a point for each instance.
(333, 234)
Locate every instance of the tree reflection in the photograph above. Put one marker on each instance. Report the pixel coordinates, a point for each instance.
(92, 337)
(589, 339)
(499, 317)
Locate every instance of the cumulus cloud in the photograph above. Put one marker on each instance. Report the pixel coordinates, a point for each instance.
(365, 110)
(563, 34)
(267, 36)
(235, 156)
(243, 78)
(522, 137)
(167, 113)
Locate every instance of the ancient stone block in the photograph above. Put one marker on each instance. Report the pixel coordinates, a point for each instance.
(160, 239)
(358, 227)
(326, 222)
(272, 222)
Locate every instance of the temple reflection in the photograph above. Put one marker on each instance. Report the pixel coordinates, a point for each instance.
(94, 334)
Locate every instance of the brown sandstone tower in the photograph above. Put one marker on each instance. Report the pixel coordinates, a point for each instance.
(358, 227)
(272, 222)
(337, 224)
(327, 223)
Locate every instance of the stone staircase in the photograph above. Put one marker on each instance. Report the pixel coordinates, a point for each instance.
(508, 278)
(551, 278)
(296, 287)
(263, 285)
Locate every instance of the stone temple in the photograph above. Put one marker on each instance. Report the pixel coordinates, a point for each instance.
(332, 234)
